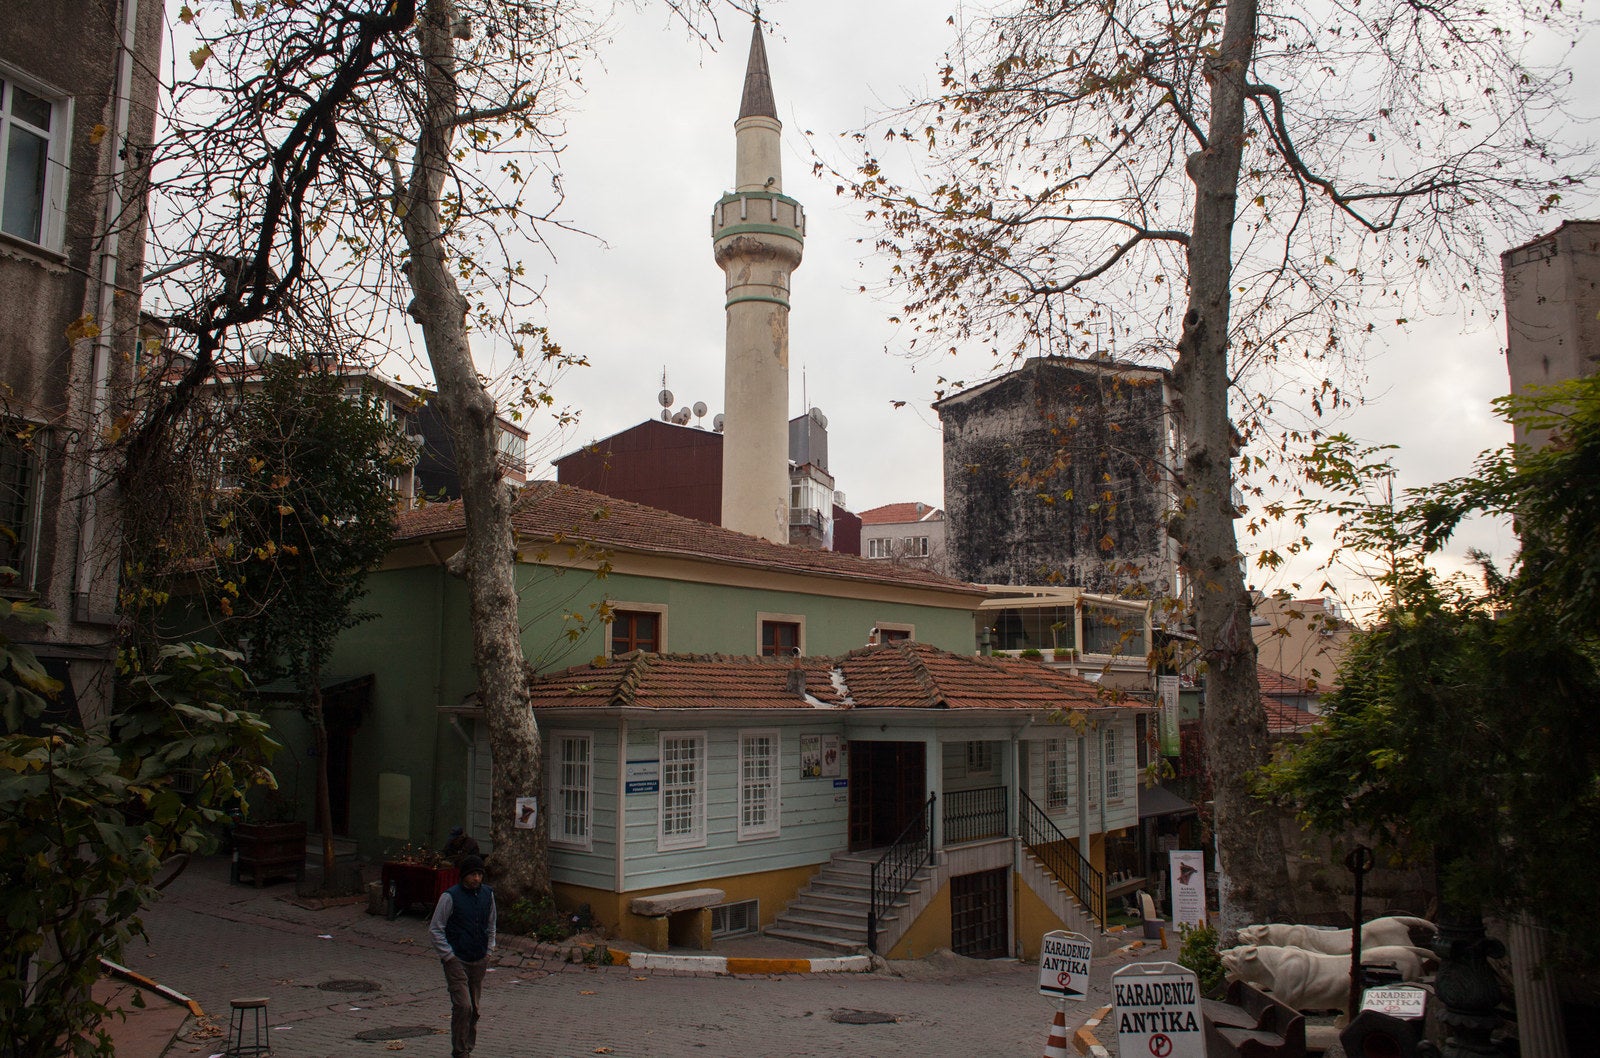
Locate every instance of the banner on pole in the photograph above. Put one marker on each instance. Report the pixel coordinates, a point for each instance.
(1188, 887)
(1168, 693)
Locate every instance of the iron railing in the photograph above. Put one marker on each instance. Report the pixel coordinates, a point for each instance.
(911, 851)
(971, 815)
(1045, 840)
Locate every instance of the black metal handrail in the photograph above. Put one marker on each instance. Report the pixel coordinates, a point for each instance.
(1045, 840)
(971, 815)
(909, 853)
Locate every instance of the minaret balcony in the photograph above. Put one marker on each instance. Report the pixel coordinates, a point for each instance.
(758, 213)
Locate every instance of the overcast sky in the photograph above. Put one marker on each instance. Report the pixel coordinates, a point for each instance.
(651, 147)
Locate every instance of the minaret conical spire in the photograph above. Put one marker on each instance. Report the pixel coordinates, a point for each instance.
(757, 100)
(758, 236)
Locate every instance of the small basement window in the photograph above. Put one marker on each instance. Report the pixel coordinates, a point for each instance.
(732, 920)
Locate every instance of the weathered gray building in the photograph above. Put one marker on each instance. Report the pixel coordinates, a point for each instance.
(77, 105)
(1552, 309)
(1060, 473)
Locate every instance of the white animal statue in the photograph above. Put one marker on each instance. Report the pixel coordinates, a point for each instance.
(1396, 929)
(1310, 980)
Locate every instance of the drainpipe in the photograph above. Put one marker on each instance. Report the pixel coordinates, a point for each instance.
(622, 804)
(106, 310)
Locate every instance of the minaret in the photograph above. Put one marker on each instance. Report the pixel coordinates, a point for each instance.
(757, 234)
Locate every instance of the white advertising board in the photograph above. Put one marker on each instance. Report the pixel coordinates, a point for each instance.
(1188, 887)
(1064, 960)
(1157, 1010)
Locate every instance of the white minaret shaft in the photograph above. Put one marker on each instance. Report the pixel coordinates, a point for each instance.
(757, 234)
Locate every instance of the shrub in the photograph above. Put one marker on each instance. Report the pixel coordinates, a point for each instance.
(1199, 953)
(1031, 652)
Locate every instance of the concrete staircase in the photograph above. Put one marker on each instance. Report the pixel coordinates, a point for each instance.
(831, 911)
(1059, 899)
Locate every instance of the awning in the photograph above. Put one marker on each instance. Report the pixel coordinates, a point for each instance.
(1160, 801)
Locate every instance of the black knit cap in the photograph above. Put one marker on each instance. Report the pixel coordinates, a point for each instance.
(471, 864)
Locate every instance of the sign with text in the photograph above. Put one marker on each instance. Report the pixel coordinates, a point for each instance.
(1064, 964)
(1188, 887)
(1169, 694)
(1396, 1002)
(642, 776)
(1157, 1011)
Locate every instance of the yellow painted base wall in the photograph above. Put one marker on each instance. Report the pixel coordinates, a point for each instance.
(773, 889)
(929, 933)
(1032, 917)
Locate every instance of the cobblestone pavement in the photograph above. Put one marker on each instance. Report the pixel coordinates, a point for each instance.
(345, 983)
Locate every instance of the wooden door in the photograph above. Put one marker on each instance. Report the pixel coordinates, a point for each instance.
(888, 789)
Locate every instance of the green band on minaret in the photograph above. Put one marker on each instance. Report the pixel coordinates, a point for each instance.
(756, 297)
(760, 229)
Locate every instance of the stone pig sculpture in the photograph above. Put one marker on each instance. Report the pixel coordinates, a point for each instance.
(1309, 980)
(1397, 929)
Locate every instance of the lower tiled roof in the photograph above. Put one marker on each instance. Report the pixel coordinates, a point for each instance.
(901, 675)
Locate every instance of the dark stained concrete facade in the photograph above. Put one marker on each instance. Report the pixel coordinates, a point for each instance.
(1057, 473)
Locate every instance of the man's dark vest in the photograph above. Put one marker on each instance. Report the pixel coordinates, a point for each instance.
(467, 928)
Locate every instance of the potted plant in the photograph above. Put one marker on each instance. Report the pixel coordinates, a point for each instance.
(271, 843)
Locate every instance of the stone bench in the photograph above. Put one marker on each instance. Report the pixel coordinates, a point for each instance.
(682, 918)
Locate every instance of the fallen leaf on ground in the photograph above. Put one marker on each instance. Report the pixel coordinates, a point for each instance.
(396, 1045)
(586, 992)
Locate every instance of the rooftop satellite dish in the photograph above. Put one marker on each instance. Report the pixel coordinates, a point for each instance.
(682, 418)
(666, 416)
(717, 421)
(665, 398)
(257, 353)
(700, 409)
(822, 420)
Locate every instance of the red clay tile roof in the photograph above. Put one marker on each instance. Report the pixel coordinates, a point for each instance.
(898, 512)
(1281, 683)
(1286, 719)
(546, 510)
(901, 675)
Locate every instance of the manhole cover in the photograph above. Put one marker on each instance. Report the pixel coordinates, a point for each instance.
(396, 1032)
(349, 984)
(863, 1017)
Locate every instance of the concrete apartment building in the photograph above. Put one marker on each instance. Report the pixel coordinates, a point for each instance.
(1552, 287)
(907, 533)
(75, 126)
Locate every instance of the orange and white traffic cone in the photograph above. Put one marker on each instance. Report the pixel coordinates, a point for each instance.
(1056, 1045)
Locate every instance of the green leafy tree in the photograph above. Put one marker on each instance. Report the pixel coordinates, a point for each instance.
(91, 820)
(311, 511)
(1464, 718)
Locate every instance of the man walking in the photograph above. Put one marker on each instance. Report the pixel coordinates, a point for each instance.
(463, 934)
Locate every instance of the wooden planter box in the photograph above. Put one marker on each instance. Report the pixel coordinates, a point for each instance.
(408, 884)
(269, 850)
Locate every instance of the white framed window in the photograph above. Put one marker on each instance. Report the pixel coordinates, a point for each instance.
(980, 758)
(894, 631)
(35, 134)
(1057, 774)
(759, 780)
(572, 789)
(877, 547)
(1113, 776)
(922, 547)
(682, 801)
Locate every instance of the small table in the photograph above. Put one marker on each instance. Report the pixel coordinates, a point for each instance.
(407, 884)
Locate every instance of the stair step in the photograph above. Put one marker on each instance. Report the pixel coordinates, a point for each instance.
(793, 920)
(802, 906)
(818, 940)
(835, 901)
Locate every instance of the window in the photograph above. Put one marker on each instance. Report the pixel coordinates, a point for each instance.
(922, 547)
(980, 757)
(877, 547)
(573, 794)
(1057, 776)
(18, 503)
(782, 635)
(33, 139)
(1113, 778)
(635, 630)
(894, 633)
(683, 791)
(758, 784)
(731, 920)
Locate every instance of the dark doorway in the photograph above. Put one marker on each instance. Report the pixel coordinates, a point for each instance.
(978, 914)
(341, 750)
(888, 790)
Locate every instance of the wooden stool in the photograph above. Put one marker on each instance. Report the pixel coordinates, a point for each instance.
(237, 1048)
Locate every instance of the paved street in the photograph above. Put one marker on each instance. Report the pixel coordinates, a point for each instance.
(342, 982)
